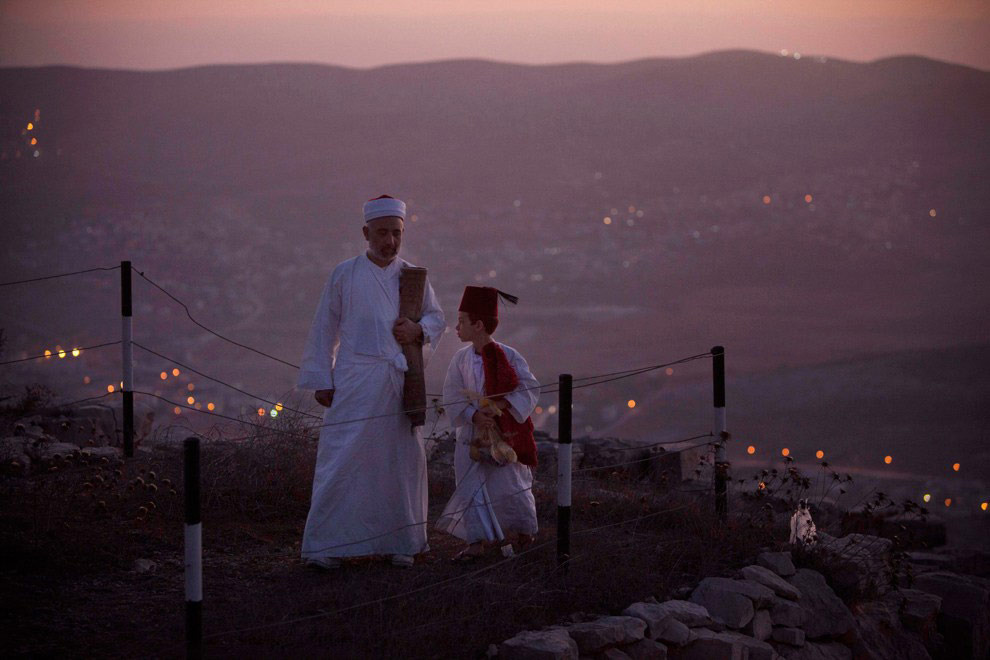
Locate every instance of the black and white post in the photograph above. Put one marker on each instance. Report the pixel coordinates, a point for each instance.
(564, 469)
(721, 463)
(128, 357)
(194, 549)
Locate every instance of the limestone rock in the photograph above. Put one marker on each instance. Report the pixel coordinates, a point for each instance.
(708, 645)
(553, 644)
(646, 649)
(787, 613)
(688, 613)
(919, 611)
(760, 627)
(753, 649)
(825, 614)
(730, 607)
(110, 453)
(789, 636)
(613, 654)
(769, 579)
(862, 561)
(879, 634)
(816, 651)
(53, 452)
(778, 562)
(671, 631)
(965, 617)
(594, 636)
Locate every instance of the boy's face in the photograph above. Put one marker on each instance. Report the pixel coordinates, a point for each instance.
(467, 331)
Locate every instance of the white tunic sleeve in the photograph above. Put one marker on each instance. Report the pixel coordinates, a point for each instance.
(523, 400)
(432, 321)
(458, 408)
(316, 371)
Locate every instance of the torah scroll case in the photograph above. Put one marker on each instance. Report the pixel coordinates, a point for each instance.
(412, 288)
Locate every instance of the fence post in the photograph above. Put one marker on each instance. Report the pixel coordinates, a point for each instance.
(564, 469)
(128, 357)
(721, 463)
(194, 550)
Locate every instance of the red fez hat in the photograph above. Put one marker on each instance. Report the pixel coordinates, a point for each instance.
(483, 300)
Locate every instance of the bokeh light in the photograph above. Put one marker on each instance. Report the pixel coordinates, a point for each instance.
(631, 403)
(819, 454)
(175, 372)
(163, 375)
(261, 412)
(751, 449)
(785, 452)
(955, 467)
(110, 389)
(210, 406)
(808, 198)
(927, 497)
(766, 199)
(888, 459)
(948, 501)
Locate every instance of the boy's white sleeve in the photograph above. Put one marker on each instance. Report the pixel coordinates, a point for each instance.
(459, 410)
(525, 397)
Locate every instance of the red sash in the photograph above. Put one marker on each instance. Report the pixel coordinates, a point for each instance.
(500, 377)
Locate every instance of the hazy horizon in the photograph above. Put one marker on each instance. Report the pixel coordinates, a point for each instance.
(180, 34)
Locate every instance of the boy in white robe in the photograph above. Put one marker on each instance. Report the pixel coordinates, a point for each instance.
(369, 488)
(490, 502)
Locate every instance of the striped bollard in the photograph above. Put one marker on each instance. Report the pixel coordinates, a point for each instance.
(564, 470)
(194, 550)
(721, 463)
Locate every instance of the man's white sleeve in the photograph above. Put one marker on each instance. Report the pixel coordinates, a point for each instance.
(523, 400)
(316, 371)
(432, 321)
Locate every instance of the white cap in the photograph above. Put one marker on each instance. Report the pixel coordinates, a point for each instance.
(384, 206)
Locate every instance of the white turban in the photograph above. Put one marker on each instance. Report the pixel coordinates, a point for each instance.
(384, 206)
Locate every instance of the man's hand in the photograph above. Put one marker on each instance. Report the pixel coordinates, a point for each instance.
(324, 397)
(407, 331)
(483, 418)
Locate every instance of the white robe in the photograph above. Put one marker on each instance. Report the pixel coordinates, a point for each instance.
(488, 501)
(369, 489)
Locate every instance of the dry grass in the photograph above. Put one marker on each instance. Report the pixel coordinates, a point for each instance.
(76, 543)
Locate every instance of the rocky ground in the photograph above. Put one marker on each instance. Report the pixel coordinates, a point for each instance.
(95, 566)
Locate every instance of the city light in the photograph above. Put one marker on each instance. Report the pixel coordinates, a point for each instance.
(927, 497)
(888, 459)
(48, 353)
(955, 467)
(274, 413)
(631, 403)
(538, 410)
(261, 412)
(163, 375)
(785, 452)
(190, 387)
(607, 220)
(751, 449)
(34, 141)
(819, 454)
(278, 407)
(948, 501)
(766, 199)
(932, 213)
(61, 353)
(87, 380)
(175, 372)
(76, 352)
(30, 126)
(670, 371)
(983, 505)
(552, 410)
(110, 389)
(177, 410)
(190, 400)
(210, 406)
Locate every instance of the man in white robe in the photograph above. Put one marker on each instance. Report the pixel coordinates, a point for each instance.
(490, 502)
(370, 485)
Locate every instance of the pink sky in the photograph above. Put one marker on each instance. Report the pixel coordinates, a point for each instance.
(157, 34)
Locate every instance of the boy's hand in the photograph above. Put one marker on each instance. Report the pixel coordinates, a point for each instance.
(483, 418)
(406, 331)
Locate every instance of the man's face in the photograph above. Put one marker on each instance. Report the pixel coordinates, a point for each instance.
(467, 331)
(384, 236)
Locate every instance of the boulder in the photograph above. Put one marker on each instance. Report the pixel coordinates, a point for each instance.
(646, 649)
(965, 617)
(708, 645)
(816, 651)
(756, 592)
(112, 454)
(769, 579)
(655, 614)
(879, 634)
(787, 613)
(789, 636)
(613, 654)
(753, 649)
(825, 614)
(730, 607)
(14, 458)
(778, 562)
(760, 627)
(553, 644)
(671, 631)
(861, 562)
(594, 636)
(919, 611)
